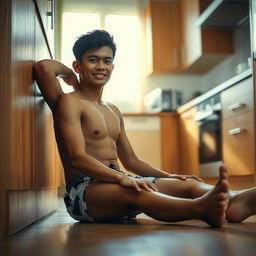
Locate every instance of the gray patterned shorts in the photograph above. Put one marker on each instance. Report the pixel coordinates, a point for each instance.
(75, 201)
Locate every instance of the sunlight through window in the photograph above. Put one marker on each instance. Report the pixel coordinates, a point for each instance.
(124, 86)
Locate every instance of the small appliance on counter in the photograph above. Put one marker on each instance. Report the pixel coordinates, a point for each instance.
(162, 100)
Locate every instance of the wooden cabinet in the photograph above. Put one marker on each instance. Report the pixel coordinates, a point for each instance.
(176, 43)
(163, 36)
(29, 158)
(189, 143)
(202, 48)
(238, 128)
(191, 33)
(154, 138)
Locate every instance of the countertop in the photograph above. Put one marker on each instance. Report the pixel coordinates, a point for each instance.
(232, 81)
(161, 114)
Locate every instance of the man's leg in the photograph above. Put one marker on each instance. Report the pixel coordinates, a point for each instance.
(242, 205)
(189, 188)
(111, 201)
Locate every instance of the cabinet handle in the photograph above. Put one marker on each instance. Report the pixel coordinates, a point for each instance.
(235, 106)
(175, 57)
(183, 55)
(235, 131)
(50, 13)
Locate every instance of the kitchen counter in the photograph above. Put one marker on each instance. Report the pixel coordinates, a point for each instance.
(161, 114)
(232, 81)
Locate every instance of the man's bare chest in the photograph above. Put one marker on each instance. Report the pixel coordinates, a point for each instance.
(99, 122)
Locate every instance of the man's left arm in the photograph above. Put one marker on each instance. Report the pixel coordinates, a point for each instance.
(133, 163)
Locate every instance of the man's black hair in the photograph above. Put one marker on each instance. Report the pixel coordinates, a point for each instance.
(93, 40)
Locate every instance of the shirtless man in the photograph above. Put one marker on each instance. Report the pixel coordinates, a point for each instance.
(91, 137)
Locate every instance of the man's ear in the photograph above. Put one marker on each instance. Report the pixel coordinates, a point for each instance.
(76, 66)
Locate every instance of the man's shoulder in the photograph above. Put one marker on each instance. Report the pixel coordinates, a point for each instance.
(66, 100)
(68, 104)
(114, 108)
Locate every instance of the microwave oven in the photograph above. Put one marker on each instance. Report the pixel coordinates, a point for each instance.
(162, 100)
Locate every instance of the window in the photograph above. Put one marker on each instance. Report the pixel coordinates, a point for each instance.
(123, 89)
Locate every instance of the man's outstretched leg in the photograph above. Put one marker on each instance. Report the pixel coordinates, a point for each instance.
(110, 201)
(242, 205)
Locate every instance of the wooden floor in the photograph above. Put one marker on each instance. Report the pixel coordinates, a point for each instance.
(60, 235)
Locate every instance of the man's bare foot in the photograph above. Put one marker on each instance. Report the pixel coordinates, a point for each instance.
(214, 203)
(242, 205)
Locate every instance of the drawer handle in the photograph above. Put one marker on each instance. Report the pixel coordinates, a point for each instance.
(235, 106)
(235, 131)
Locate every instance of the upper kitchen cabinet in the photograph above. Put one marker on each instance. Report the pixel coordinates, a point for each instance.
(203, 48)
(175, 41)
(215, 13)
(163, 36)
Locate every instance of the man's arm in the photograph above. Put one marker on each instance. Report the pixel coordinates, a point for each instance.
(46, 72)
(129, 159)
(133, 163)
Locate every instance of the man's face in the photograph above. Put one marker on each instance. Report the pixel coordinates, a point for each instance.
(96, 67)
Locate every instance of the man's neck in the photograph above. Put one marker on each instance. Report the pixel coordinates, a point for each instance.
(90, 93)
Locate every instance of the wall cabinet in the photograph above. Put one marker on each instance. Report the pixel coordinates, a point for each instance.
(163, 36)
(202, 48)
(29, 160)
(189, 142)
(154, 139)
(176, 43)
(238, 128)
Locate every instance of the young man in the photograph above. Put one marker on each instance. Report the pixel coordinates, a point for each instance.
(91, 137)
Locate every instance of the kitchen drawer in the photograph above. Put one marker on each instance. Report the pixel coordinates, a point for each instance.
(237, 99)
(238, 144)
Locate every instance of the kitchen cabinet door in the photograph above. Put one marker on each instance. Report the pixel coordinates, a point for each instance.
(144, 133)
(189, 143)
(154, 138)
(238, 128)
(163, 36)
(238, 144)
(191, 34)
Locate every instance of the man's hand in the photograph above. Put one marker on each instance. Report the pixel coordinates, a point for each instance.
(137, 184)
(70, 79)
(184, 177)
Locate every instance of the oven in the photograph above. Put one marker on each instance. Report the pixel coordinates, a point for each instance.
(208, 118)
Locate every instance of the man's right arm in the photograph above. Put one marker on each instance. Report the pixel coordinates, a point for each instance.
(46, 72)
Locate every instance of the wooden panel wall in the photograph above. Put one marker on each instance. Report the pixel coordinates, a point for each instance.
(22, 111)
(30, 165)
(5, 147)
